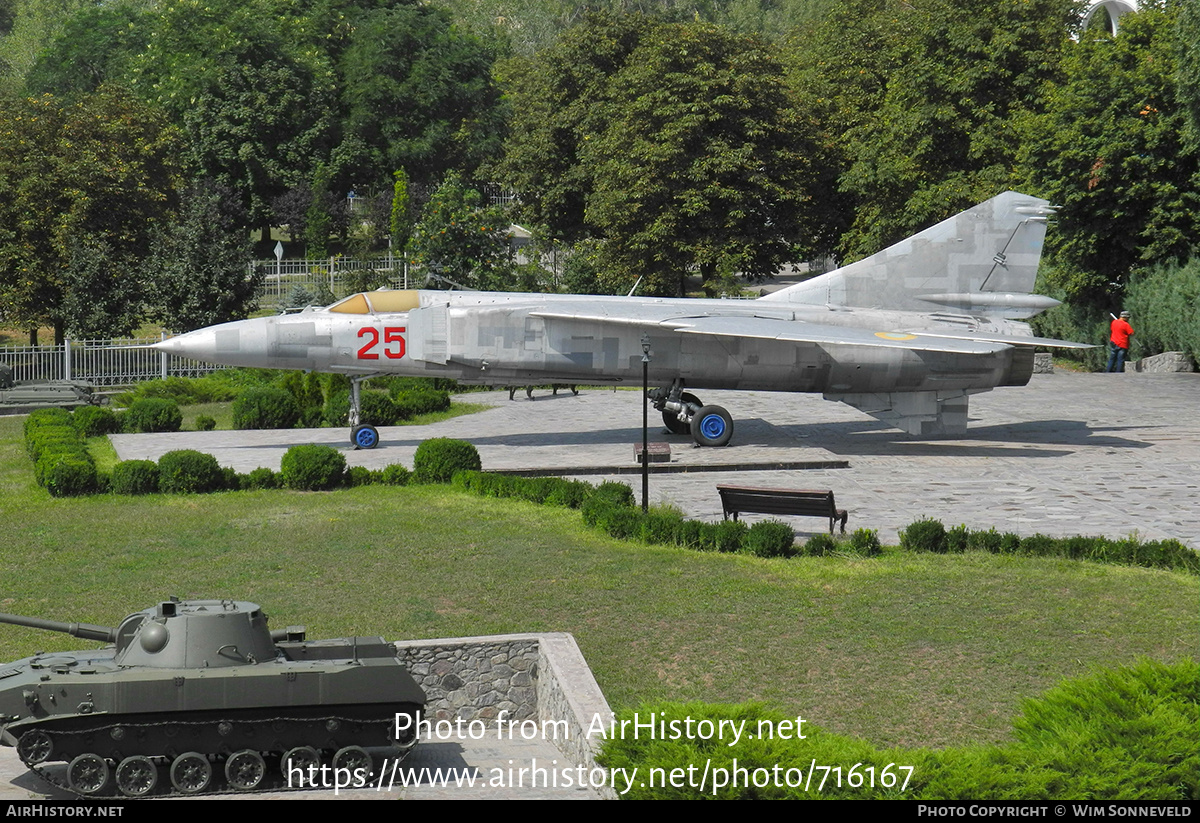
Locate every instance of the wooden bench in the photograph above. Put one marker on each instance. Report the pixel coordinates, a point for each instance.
(801, 502)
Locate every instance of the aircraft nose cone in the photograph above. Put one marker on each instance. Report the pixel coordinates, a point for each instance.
(197, 345)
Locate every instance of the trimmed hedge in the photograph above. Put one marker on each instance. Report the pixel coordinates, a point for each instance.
(312, 468)
(61, 462)
(268, 407)
(189, 471)
(931, 535)
(95, 421)
(135, 477)
(436, 460)
(153, 414)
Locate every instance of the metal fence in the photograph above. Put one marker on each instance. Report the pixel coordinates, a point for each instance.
(99, 362)
(337, 276)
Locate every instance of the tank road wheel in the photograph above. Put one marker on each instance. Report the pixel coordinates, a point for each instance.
(245, 770)
(191, 773)
(354, 758)
(87, 774)
(299, 767)
(712, 426)
(137, 776)
(365, 436)
(674, 424)
(34, 747)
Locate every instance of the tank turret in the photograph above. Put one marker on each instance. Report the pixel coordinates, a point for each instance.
(189, 687)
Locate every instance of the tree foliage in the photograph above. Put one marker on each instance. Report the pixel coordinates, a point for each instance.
(198, 270)
(923, 98)
(83, 187)
(417, 94)
(1109, 149)
(462, 240)
(675, 145)
(252, 86)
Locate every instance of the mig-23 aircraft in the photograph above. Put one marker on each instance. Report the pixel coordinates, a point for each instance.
(906, 335)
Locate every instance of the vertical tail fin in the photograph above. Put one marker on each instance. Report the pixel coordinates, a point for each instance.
(982, 261)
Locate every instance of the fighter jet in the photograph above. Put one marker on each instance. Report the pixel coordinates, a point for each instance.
(906, 335)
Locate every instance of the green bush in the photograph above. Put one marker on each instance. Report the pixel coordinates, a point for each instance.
(569, 493)
(1121, 734)
(204, 423)
(866, 542)
(729, 535)
(43, 418)
(690, 535)
(395, 475)
(134, 477)
(312, 468)
(924, 536)
(377, 409)
(260, 478)
(616, 493)
(660, 525)
(770, 538)
(68, 475)
(153, 414)
(61, 461)
(438, 459)
(189, 471)
(819, 545)
(266, 407)
(185, 391)
(957, 538)
(988, 541)
(358, 476)
(95, 421)
(1165, 302)
(419, 401)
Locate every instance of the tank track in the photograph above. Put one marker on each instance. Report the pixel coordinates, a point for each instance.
(92, 776)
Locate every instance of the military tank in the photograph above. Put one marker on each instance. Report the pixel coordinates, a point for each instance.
(195, 696)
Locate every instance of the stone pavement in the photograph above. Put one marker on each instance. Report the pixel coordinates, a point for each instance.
(1067, 454)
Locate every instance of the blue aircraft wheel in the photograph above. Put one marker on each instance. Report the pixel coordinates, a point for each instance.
(712, 426)
(365, 436)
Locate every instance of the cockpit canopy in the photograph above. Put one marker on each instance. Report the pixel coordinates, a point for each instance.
(378, 302)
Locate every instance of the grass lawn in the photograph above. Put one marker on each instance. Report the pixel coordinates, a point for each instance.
(902, 649)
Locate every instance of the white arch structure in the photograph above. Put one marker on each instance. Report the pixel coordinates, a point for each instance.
(1116, 10)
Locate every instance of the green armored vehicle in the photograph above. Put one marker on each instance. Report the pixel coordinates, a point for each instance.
(193, 691)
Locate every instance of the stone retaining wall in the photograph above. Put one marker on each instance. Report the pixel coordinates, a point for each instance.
(1168, 361)
(541, 677)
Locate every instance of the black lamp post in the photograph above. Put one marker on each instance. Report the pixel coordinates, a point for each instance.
(645, 423)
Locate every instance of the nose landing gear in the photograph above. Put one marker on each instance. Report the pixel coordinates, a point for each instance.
(684, 413)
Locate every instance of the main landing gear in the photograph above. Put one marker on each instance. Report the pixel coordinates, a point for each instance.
(684, 413)
(362, 435)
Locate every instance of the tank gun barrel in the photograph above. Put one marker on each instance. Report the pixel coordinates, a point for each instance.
(87, 631)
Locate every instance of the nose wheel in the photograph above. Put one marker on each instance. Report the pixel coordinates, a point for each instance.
(362, 435)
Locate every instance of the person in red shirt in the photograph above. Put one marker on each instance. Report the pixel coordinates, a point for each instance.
(1119, 343)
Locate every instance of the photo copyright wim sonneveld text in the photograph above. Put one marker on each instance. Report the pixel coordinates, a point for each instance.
(706, 777)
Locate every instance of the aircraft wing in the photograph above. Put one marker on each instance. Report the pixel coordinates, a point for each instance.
(792, 330)
(1012, 340)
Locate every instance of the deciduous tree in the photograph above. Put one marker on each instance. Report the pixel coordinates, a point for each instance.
(676, 145)
(82, 189)
(1109, 149)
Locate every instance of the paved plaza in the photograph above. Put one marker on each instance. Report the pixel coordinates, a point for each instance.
(1107, 454)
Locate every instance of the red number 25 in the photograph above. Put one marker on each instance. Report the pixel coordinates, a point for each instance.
(391, 334)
